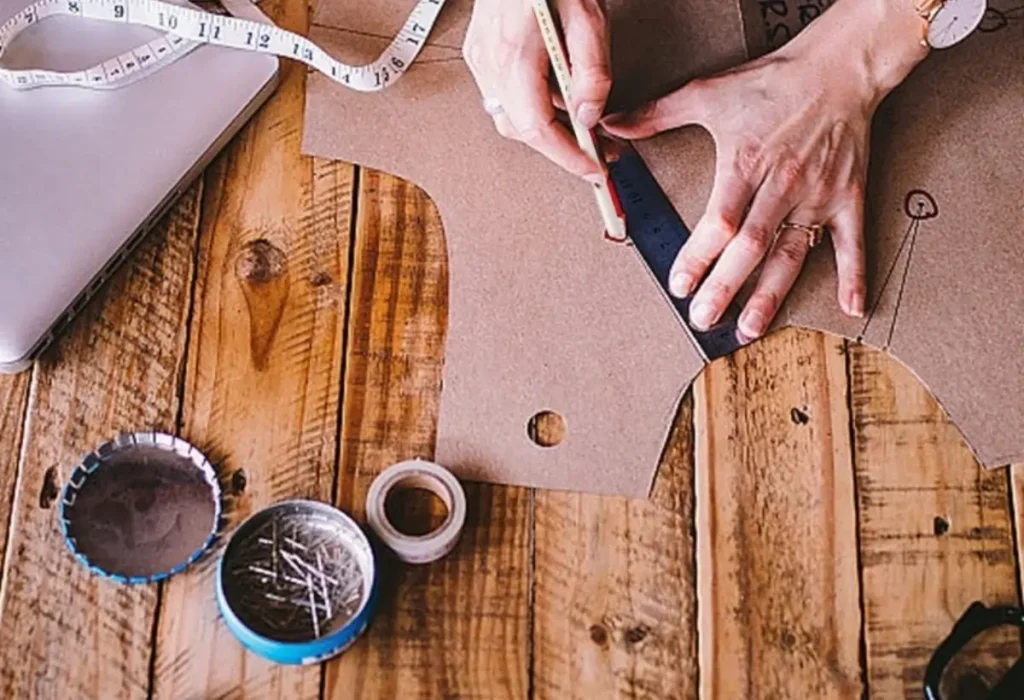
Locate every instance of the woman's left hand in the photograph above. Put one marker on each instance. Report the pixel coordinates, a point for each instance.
(792, 134)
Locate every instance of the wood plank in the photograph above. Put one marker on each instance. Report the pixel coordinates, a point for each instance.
(935, 531)
(264, 371)
(615, 587)
(13, 401)
(778, 608)
(78, 636)
(459, 627)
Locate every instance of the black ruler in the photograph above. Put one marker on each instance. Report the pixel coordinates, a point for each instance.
(658, 233)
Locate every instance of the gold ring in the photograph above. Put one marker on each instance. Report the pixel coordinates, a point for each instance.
(815, 232)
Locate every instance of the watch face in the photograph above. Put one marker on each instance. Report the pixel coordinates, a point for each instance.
(954, 21)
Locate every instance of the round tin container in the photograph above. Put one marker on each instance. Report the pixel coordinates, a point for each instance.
(297, 583)
(141, 508)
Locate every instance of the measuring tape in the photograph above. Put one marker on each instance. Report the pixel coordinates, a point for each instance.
(187, 28)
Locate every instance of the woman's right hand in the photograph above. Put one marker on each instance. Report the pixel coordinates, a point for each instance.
(505, 52)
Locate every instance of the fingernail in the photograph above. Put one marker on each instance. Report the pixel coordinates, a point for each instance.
(611, 150)
(857, 305)
(681, 284)
(701, 317)
(753, 323)
(588, 114)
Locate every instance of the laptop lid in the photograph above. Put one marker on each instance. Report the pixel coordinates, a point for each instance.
(83, 171)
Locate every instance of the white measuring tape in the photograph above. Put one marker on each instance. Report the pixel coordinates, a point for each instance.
(432, 477)
(187, 28)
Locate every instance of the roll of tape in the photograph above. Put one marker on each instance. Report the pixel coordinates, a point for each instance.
(416, 473)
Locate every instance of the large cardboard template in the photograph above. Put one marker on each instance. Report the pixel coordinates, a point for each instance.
(546, 315)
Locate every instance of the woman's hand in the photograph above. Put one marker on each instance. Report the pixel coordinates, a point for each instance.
(792, 134)
(506, 54)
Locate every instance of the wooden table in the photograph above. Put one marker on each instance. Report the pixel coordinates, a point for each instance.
(816, 526)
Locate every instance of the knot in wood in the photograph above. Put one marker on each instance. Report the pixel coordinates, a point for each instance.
(320, 279)
(238, 482)
(50, 490)
(635, 635)
(260, 262)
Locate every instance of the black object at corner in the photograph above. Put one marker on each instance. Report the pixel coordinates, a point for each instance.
(977, 618)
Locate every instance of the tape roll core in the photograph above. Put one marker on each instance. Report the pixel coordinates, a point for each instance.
(416, 473)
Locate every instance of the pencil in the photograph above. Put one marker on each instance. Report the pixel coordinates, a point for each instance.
(607, 198)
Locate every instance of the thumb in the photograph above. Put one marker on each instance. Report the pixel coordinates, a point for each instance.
(685, 106)
(585, 27)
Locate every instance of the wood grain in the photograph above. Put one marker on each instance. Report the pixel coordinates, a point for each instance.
(615, 587)
(776, 524)
(935, 531)
(76, 635)
(264, 368)
(456, 628)
(13, 401)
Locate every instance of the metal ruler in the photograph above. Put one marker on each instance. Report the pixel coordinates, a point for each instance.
(658, 233)
(186, 27)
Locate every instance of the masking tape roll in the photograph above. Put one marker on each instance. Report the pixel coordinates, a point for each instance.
(417, 473)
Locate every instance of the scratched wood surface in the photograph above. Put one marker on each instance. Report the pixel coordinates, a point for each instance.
(13, 400)
(66, 633)
(457, 628)
(776, 523)
(815, 527)
(615, 594)
(936, 533)
(261, 390)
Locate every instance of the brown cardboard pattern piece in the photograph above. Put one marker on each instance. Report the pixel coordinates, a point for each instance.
(545, 315)
(945, 217)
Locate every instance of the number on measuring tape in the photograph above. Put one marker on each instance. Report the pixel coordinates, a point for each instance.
(187, 28)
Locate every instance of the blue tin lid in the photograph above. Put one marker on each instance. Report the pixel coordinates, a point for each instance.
(297, 582)
(141, 508)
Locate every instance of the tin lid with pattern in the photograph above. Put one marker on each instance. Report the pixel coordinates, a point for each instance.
(141, 508)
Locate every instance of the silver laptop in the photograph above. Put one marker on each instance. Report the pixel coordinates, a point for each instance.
(84, 174)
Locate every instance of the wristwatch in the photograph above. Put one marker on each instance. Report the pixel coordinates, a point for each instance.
(950, 21)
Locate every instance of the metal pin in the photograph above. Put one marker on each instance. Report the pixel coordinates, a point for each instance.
(291, 560)
(312, 607)
(302, 603)
(323, 585)
(296, 562)
(273, 552)
(295, 543)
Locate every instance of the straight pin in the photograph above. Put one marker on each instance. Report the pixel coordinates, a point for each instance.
(302, 567)
(291, 560)
(312, 606)
(323, 584)
(273, 551)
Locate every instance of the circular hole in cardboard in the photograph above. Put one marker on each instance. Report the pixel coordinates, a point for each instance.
(546, 428)
(414, 509)
(143, 512)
